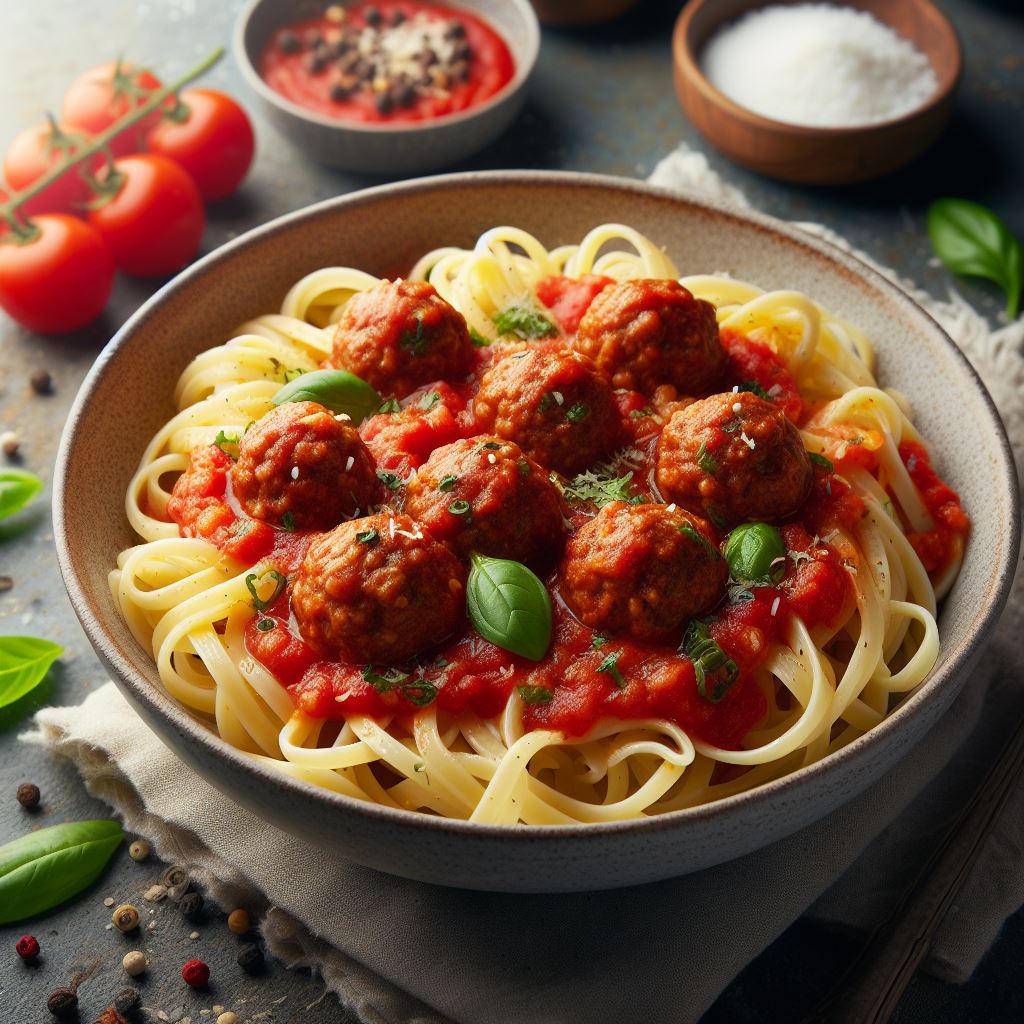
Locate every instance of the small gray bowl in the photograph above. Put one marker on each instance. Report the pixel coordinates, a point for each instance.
(127, 397)
(395, 150)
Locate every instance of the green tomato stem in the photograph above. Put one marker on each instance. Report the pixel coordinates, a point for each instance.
(9, 210)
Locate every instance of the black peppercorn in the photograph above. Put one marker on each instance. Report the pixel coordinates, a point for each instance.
(372, 16)
(28, 796)
(398, 17)
(41, 382)
(404, 94)
(250, 958)
(384, 103)
(63, 1002)
(127, 1000)
(454, 29)
(340, 92)
(192, 906)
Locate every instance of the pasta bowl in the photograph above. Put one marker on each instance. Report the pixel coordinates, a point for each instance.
(128, 397)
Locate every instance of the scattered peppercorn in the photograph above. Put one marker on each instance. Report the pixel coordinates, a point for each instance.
(125, 918)
(63, 1002)
(195, 973)
(174, 875)
(41, 382)
(228, 1017)
(250, 958)
(128, 999)
(192, 906)
(176, 892)
(27, 947)
(6, 583)
(28, 795)
(139, 850)
(238, 921)
(289, 42)
(134, 963)
(372, 16)
(10, 443)
(110, 1016)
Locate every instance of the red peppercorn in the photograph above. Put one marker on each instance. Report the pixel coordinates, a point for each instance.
(27, 947)
(196, 973)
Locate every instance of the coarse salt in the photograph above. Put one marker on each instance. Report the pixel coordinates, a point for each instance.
(818, 64)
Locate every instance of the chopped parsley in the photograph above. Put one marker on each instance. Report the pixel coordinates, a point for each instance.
(589, 486)
(535, 694)
(598, 642)
(524, 323)
(265, 624)
(368, 537)
(447, 483)
(705, 460)
(477, 338)
(429, 400)
(416, 341)
(639, 414)
(524, 467)
(288, 521)
(224, 441)
(391, 405)
(610, 666)
(820, 460)
(578, 412)
(460, 508)
(392, 481)
(755, 389)
(488, 446)
(251, 581)
(420, 692)
(546, 401)
(384, 682)
(698, 538)
(290, 375)
(715, 670)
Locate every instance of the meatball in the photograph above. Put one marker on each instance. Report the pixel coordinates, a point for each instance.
(556, 405)
(735, 456)
(483, 494)
(648, 333)
(400, 335)
(378, 589)
(300, 468)
(643, 571)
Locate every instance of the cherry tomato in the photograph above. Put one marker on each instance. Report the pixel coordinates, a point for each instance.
(58, 281)
(154, 222)
(214, 142)
(99, 96)
(32, 153)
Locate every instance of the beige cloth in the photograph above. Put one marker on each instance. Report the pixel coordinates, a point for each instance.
(400, 952)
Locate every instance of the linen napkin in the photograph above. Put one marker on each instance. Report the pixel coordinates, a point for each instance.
(659, 953)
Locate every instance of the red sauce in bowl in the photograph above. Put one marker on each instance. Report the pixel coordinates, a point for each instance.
(390, 62)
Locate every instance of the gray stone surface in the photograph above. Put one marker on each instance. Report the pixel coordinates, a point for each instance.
(602, 100)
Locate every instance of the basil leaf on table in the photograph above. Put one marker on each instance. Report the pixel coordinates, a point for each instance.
(48, 867)
(971, 240)
(509, 606)
(24, 662)
(17, 489)
(338, 390)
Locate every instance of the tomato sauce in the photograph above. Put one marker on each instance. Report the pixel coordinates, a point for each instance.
(938, 546)
(294, 65)
(583, 677)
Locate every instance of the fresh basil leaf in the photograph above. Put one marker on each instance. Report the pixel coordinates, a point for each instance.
(49, 866)
(509, 605)
(755, 553)
(524, 323)
(971, 240)
(24, 662)
(338, 390)
(17, 489)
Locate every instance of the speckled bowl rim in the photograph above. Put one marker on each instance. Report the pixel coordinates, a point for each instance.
(989, 606)
(525, 64)
(689, 66)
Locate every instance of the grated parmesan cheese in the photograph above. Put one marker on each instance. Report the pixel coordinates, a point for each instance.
(819, 65)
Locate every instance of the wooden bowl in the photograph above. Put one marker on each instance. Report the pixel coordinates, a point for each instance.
(128, 396)
(817, 156)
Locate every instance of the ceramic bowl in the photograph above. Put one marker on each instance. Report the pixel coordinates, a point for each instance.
(817, 156)
(128, 396)
(394, 150)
